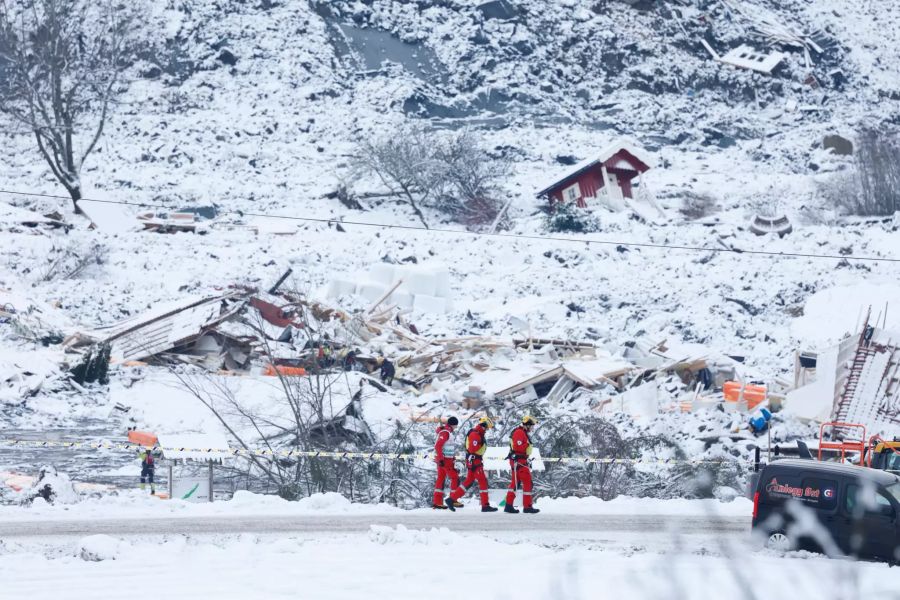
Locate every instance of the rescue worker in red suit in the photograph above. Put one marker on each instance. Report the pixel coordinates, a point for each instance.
(445, 457)
(476, 446)
(520, 467)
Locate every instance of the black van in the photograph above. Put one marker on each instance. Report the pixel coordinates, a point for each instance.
(838, 509)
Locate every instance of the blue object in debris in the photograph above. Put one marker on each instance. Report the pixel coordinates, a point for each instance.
(759, 421)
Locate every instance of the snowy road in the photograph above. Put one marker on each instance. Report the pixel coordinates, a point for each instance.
(595, 557)
(326, 548)
(584, 525)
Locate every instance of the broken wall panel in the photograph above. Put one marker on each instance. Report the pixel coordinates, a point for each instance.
(166, 328)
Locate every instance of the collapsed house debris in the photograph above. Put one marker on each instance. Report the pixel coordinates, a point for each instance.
(773, 31)
(856, 381)
(169, 223)
(261, 343)
(746, 57)
(243, 331)
(12, 218)
(168, 327)
(556, 382)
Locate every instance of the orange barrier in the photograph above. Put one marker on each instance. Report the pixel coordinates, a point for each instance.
(753, 394)
(142, 438)
(272, 370)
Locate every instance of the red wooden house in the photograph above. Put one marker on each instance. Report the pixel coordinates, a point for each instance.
(610, 174)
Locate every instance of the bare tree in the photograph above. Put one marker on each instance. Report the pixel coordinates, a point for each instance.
(60, 65)
(470, 178)
(404, 162)
(872, 186)
(318, 412)
(878, 163)
(449, 172)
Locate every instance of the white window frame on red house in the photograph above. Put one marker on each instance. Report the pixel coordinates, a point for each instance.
(572, 193)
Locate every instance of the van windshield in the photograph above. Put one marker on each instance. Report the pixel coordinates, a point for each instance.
(892, 462)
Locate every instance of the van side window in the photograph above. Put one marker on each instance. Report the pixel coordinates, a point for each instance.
(867, 500)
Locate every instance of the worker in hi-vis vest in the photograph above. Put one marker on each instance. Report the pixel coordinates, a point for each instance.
(476, 445)
(445, 457)
(520, 467)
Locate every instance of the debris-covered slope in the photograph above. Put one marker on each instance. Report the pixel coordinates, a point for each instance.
(257, 108)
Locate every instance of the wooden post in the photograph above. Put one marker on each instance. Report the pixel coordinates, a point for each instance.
(171, 482)
(210, 481)
(500, 214)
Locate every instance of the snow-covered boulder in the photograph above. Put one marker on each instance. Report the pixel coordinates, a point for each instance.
(95, 548)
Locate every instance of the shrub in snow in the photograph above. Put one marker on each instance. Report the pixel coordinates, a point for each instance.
(95, 548)
(53, 487)
(568, 218)
(73, 260)
(696, 206)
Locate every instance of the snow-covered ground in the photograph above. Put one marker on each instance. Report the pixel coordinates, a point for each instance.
(137, 505)
(398, 561)
(402, 564)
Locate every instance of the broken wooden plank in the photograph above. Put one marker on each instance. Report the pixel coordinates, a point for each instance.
(385, 296)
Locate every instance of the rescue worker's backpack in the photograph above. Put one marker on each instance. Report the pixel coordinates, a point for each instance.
(480, 442)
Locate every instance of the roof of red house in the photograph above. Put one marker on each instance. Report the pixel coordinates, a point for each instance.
(601, 157)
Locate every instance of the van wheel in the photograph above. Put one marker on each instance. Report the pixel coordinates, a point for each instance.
(778, 541)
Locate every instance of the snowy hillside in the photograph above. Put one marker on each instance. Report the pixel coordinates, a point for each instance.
(257, 108)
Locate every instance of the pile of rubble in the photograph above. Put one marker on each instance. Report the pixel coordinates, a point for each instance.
(243, 331)
(14, 219)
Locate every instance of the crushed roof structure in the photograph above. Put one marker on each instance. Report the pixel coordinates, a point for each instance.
(589, 373)
(856, 381)
(167, 326)
(869, 382)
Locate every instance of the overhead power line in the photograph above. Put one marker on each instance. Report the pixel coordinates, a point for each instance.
(510, 236)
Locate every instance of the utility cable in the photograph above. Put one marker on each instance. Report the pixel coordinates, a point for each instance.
(512, 236)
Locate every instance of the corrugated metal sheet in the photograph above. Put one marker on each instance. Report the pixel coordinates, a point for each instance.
(167, 327)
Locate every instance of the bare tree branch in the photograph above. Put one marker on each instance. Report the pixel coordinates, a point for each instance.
(62, 61)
